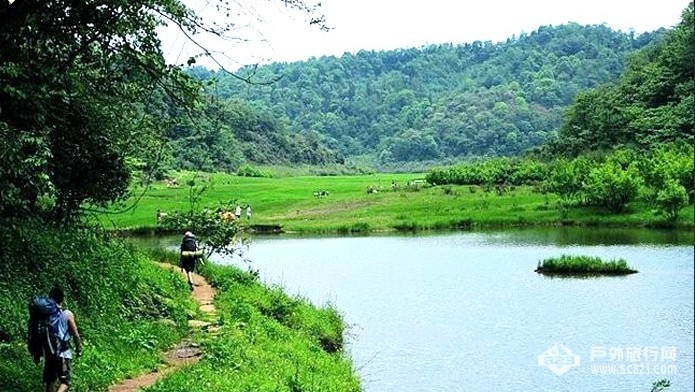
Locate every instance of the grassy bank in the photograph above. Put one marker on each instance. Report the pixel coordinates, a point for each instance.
(348, 207)
(267, 342)
(129, 310)
(566, 265)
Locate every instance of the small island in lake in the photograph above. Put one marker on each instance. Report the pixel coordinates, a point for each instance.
(566, 265)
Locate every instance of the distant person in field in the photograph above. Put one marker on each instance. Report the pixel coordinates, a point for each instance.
(248, 211)
(237, 211)
(57, 369)
(190, 252)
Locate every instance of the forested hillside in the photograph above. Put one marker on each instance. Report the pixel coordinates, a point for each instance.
(426, 104)
(622, 143)
(650, 104)
(225, 134)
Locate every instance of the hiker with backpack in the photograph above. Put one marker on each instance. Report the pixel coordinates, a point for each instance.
(51, 329)
(190, 253)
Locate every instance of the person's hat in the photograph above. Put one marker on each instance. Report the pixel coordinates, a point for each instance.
(188, 234)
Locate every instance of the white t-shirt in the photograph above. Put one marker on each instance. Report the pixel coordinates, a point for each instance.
(64, 332)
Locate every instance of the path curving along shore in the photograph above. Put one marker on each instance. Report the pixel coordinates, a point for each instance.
(185, 352)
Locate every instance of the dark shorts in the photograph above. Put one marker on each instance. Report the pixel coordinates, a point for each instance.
(57, 368)
(188, 264)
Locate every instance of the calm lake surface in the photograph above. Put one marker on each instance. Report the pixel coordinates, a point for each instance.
(466, 312)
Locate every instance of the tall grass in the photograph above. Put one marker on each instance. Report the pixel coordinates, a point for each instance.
(130, 310)
(127, 308)
(583, 265)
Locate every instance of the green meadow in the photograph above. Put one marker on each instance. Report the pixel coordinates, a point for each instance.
(348, 207)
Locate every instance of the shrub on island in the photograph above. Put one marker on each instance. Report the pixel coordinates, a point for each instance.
(567, 265)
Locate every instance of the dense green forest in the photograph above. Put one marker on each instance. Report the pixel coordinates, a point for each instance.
(650, 104)
(628, 140)
(433, 103)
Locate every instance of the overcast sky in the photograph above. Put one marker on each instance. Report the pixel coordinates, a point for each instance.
(391, 24)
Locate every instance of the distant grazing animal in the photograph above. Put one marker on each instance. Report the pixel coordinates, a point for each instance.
(161, 215)
(320, 193)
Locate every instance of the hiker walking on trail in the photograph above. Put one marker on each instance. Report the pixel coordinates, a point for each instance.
(237, 211)
(190, 252)
(51, 328)
(248, 211)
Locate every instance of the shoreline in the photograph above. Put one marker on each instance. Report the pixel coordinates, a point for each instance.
(279, 230)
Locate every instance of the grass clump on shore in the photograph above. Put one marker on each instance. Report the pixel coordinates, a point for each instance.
(583, 266)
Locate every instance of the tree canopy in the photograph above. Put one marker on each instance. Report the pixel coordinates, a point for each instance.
(650, 104)
(85, 94)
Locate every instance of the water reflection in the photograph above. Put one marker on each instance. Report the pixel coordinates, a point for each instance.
(561, 236)
(600, 236)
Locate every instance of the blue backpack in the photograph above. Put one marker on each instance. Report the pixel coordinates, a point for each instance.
(44, 337)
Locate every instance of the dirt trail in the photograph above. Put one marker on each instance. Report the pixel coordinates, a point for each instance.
(186, 352)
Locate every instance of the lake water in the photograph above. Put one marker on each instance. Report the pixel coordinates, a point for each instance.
(466, 312)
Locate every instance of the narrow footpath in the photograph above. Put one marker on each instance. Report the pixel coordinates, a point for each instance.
(186, 352)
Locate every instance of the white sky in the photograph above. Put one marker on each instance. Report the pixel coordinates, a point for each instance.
(391, 24)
